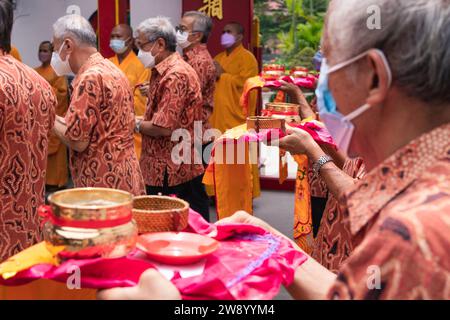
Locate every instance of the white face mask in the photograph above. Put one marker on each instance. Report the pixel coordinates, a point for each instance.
(62, 68)
(147, 58)
(182, 39)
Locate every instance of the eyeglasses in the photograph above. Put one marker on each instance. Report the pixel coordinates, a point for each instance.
(183, 29)
(141, 46)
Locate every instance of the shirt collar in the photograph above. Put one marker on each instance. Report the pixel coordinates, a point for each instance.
(93, 59)
(394, 175)
(167, 63)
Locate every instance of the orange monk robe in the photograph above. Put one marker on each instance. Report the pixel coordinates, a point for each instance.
(136, 74)
(57, 167)
(239, 66)
(15, 53)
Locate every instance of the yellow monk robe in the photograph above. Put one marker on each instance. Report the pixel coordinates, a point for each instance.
(15, 53)
(57, 167)
(239, 66)
(136, 74)
(230, 174)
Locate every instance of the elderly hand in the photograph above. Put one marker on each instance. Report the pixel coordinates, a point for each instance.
(245, 218)
(152, 286)
(298, 142)
(291, 89)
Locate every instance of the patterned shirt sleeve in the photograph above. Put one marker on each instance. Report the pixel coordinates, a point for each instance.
(82, 115)
(390, 265)
(174, 90)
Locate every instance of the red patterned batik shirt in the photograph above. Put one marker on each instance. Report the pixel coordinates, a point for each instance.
(334, 242)
(200, 59)
(101, 111)
(402, 208)
(175, 102)
(27, 115)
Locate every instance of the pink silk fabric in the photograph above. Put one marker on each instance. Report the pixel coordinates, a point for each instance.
(251, 264)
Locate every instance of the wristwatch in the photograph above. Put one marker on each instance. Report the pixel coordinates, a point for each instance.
(137, 129)
(323, 160)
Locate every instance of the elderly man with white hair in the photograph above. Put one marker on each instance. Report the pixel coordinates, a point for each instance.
(387, 100)
(99, 124)
(174, 104)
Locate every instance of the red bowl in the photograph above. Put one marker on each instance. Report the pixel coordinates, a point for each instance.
(177, 248)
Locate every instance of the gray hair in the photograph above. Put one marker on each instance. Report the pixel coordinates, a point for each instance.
(76, 26)
(159, 27)
(202, 23)
(414, 35)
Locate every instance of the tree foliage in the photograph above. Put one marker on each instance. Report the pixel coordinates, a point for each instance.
(293, 30)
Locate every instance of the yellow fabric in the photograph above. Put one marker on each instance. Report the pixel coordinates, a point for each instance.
(57, 167)
(136, 73)
(42, 289)
(303, 234)
(233, 183)
(15, 53)
(239, 66)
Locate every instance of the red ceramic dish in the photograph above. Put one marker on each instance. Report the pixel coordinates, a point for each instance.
(177, 248)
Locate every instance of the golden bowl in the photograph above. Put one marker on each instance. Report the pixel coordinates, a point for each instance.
(288, 111)
(91, 223)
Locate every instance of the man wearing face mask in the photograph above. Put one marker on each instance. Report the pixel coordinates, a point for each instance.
(192, 36)
(127, 61)
(57, 166)
(233, 67)
(393, 110)
(174, 104)
(99, 124)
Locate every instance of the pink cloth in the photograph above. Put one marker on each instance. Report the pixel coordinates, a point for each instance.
(315, 129)
(308, 82)
(250, 264)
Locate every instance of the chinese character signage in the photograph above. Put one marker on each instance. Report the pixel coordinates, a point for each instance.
(212, 8)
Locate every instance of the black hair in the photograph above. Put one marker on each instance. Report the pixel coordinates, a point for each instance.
(6, 23)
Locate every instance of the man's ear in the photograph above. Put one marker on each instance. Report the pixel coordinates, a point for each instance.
(69, 47)
(161, 43)
(380, 81)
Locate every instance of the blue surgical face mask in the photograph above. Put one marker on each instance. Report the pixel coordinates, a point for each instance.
(118, 46)
(340, 127)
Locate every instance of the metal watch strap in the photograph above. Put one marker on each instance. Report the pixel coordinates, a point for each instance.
(323, 160)
(138, 127)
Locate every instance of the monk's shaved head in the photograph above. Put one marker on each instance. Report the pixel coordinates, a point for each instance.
(123, 30)
(237, 27)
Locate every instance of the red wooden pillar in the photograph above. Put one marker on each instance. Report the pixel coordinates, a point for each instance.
(110, 14)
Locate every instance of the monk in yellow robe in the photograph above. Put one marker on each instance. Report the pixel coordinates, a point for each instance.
(234, 66)
(138, 76)
(57, 166)
(15, 53)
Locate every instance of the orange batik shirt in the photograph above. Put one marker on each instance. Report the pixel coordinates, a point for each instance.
(201, 61)
(401, 212)
(101, 112)
(27, 115)
(175, 102)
